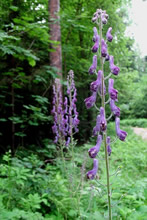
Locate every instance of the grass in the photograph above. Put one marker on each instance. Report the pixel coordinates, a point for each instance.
(141, 122)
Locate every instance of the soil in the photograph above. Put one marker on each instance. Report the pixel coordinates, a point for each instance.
(141, 131)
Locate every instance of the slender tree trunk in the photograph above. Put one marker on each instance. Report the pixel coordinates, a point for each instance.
(55, 35)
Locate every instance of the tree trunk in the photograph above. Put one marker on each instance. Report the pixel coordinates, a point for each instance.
(55, 35)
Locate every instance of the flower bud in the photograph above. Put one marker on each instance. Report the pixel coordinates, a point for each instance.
(103, 48)
(94, 65)
(95, 35)
(94, 150)
(120, 133)
(104, 20)
(95, 46)
(112, 92)
(96, 129)
(103, 122)
(107, 57)
(114, 69)
(109, 35)
(114, 109)
(92, 173)
(89, 102)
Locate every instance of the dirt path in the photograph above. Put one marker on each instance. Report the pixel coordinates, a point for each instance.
(141, 131)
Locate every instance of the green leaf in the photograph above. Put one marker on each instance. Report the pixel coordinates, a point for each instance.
(20, 134)
(14, 8)
(3, 119)
(32, 62)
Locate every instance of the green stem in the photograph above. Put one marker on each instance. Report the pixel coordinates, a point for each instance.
(105, 134)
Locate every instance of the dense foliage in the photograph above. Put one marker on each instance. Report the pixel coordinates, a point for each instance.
(32, 187)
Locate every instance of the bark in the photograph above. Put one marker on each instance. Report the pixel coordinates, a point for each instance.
(55, 35)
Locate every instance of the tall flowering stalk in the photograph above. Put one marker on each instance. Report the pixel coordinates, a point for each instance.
(65, 113)
(58, 127)
(70, 105)
(98, 88)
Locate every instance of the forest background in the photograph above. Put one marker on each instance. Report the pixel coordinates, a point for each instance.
(26, 77)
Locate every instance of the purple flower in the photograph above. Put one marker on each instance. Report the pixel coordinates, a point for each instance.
(114, 109)
(104, 19)
(103, 122)
(112, 92)
(53, 110)
(114, 69)
(94, 150)
(65, 105)
(92, 173)
(89, 102)
(66, 123)
(107, 57)
(94, 86)
(76, 121)
(108, 146)
(96, 129)
(95, 35)
(94, 65)
(95, 47)
(67, 142)
(54, 128)
(103, 48)
(121, 134)
(96, 40)
(109, 35)
(97, 85)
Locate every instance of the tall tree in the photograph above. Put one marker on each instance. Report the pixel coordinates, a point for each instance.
(55, 35)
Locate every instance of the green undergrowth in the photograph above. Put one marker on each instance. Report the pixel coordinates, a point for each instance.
(141, 122)
(35, 187)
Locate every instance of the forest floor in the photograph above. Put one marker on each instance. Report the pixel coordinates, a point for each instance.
(141, 131)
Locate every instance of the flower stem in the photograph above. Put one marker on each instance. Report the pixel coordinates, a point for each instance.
(105, 133)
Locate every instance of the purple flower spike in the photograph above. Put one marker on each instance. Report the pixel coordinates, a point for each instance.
(95, 35)
(114, 69)
(104, 48)
(121, 134)
(103, 122)
(92, 173)
(94, 150)
(89, 102)
(112, 92)
(108, 146)
(94, 65)
(109, 35)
